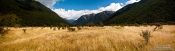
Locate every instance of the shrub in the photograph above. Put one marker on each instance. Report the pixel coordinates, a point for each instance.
(58, 28)
(71, 29)
(158, 27)
(63, 27)
(51, 27)
(79, 28)
(54, 28)
(146, 35)
(24, 30)
(3, 31)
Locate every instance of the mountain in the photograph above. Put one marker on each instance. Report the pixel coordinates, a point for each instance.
(70, 21)
(27, 13)
(145, 12)
(93, 19)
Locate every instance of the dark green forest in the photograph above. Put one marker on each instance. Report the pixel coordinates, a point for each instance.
(145, 12)
(27, 13)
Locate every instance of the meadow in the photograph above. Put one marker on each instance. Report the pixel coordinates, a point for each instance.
(107, 38)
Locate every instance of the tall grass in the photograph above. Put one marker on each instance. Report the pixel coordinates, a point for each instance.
(107, 38)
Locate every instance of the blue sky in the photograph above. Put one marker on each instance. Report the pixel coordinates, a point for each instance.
(73, 9)
(85, 4)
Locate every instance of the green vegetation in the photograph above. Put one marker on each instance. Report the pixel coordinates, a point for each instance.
(145, 12)
(9, 20)
(27, 13)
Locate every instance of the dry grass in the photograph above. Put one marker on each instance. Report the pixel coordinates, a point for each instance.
(108, 38)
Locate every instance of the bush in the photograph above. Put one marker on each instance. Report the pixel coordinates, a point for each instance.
(71, 29)
(58, 28)
(3, 31)
(79, 28)
(158, 27)
(54, 28)
(146, 35)
(24, 30)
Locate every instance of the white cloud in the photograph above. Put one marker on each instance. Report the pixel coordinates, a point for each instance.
(49, 3)
(131, 1)
(73, 14)
(112, 7)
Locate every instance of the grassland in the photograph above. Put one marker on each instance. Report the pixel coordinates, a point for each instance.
(107, 38)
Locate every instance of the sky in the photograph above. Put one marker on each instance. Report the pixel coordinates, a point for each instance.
(85, 4)
(73, 9)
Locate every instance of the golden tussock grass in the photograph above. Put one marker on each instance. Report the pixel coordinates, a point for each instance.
(107, 38)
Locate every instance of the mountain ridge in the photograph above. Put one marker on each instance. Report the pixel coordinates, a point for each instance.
(93, 19)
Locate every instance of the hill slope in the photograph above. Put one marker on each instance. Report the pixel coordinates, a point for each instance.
(145, 12)
(93, 19)
(27, 13)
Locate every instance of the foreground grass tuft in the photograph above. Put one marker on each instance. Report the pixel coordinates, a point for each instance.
(146, 35)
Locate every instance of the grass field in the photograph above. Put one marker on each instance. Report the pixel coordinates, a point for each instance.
(107, 38)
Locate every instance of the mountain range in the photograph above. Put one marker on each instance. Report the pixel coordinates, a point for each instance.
(143, 12)
(93, 18)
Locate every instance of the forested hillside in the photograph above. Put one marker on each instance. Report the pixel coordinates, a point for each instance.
(145, 12)
(27, 13)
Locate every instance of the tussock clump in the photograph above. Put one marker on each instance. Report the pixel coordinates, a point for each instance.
(58, 28)
(63, 27)
(146, 35)
(50, 27)
(3, 31)
(71, 29)
(24, 30)
(79, 28)
(54, 28)
(42, 27)
(158, 27)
